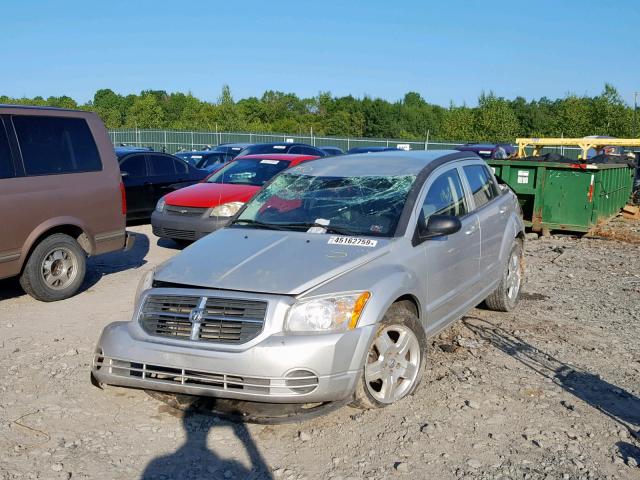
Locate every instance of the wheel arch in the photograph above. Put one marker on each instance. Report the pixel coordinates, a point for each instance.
(65, 225)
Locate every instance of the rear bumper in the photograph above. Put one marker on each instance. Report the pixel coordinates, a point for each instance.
(185, 227)
(266, 372)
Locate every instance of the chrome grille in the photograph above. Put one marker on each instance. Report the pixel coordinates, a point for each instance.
(185, 211)
(205, 319)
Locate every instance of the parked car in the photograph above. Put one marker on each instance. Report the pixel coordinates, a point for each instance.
(332, 150)
(326, 285)
(193, 212)
(371, 149)
(232, 148)
(147, 176)
(489, 150)
(61, 196)
(293, 148)
(209, 160)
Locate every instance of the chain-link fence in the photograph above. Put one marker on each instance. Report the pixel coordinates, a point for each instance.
(172, 141)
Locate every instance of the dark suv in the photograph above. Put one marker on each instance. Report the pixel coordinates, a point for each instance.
(61, 196)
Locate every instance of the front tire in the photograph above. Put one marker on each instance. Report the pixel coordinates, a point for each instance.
(506, 296)
(55, 269)
(395, 361)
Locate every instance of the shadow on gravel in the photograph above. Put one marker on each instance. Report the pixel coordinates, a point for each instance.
(618, 404)
(194, 459)
(172, 244)
(630, 454)
(97, 267)
(114, 262)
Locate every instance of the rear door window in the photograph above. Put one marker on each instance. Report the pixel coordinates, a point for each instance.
(162, 165)
(180, 166)
(135, 166)
(6, 163)
(482, 185)
(55, 145)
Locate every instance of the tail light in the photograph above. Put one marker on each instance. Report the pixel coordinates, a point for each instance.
(123, 197)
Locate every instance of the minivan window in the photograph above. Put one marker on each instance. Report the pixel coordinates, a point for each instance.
(481, 183)
(135, 166)
(445, 196)
(6, 165)
(54, 145)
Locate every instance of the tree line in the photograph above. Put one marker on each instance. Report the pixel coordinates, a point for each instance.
(494, 119)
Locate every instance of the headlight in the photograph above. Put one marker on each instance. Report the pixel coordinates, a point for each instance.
(144, 284)
(226, 210)
(160, 205)
(337, 313)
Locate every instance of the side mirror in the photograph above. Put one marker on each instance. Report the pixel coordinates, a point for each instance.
(436, 226)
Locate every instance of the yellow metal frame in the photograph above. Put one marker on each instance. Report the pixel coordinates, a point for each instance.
(584, 143)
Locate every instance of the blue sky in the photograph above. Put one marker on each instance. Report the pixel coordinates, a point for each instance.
(447, 50)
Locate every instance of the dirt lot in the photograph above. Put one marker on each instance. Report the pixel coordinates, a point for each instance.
(551, 390)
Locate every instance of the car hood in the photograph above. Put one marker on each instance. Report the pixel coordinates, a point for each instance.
(205, 195)
(266, 261)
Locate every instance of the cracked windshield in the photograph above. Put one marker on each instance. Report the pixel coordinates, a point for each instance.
(368, 205)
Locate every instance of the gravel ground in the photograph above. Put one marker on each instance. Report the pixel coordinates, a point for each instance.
(551, 390)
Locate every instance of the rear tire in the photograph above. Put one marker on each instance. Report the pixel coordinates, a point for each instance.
(506, 296)
(395, 361)
(55, 269)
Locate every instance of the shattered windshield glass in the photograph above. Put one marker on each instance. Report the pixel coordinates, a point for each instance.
(368, 205)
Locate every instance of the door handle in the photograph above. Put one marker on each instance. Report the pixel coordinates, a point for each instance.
(471, 230)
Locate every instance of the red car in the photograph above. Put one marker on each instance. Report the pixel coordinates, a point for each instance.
(193, 212)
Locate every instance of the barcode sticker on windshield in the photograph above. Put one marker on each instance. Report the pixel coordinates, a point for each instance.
(353, 241)
(270, 162)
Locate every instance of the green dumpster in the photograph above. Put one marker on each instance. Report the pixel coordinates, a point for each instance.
(565, 196)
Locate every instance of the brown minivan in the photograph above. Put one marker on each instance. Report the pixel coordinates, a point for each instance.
(61, 198)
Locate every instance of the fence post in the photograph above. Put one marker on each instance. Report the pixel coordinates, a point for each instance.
(426, 140)
(348, 143)
(191, 141)
(166, 147)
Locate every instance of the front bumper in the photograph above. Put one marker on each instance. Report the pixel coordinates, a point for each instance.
(279, 369)
(185, 227)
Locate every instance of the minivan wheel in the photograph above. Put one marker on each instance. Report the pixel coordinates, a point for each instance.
(395, 360)
(506, 296)
(55, 270)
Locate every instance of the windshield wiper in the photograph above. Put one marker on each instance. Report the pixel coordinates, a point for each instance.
(328, 228)
(255, 223)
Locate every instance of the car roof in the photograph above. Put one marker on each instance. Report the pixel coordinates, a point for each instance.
(37, 107)
(200, 152)
(287, 144)
(232, 145)
(387, 163)
(122, 151)
(277, 156)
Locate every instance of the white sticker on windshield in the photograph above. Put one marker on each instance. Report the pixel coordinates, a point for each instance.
(353, 241)
(270, 162)
(279, 147)
(196, 156)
